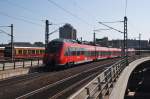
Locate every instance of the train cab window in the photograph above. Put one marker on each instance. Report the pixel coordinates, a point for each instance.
(54, 47)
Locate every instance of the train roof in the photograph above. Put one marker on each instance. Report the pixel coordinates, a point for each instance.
(22, 44)
(75, 43)
(28, 47)
(92, 47)
(64, 40)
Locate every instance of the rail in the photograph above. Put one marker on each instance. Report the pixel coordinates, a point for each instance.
(102, 85)
(21, 63)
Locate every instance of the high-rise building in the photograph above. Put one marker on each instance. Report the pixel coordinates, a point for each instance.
(67, 32)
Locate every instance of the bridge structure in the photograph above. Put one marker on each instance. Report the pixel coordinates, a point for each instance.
(119, 82)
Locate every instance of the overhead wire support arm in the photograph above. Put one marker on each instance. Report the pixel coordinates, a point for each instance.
(2, 31)
(110, 27)
(97, 30)
(113, 22)
(53, 31)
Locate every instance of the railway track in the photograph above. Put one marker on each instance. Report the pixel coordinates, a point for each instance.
(24, 85)
(19, 79)
(54, 91)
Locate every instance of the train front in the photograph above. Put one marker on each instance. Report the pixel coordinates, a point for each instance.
(52, 55)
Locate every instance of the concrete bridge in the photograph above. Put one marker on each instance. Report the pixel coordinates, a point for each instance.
(134, 81)
(119, 82)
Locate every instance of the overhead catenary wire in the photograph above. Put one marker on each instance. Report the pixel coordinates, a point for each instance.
(25, 8)
(19, 18)
(19, 6)
(85, 11)
(67, 11)
(113, 22)
(126, 5)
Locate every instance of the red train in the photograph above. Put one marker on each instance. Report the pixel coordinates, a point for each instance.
(62, 52)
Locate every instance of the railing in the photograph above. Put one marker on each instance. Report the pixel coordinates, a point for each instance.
(22, 63)
(102, 85)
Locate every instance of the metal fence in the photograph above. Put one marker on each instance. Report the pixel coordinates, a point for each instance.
(23, 63)
(102, 85)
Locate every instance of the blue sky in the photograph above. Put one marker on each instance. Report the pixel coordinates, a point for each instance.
(88, 13)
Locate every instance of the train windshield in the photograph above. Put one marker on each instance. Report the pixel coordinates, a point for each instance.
(54, 47)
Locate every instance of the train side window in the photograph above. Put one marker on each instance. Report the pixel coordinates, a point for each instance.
(20, 51)
(99, 53)
(41, 51)
(33, 51)
(70, 51)
(24, 51)
(73, 50)
(103, 53)
(89, 53)
(37, 51)
(92, 53)
(67, 52)
(78, 51)
(83, 51)
(29, 51)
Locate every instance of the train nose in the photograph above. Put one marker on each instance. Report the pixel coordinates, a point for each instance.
(52, 58)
